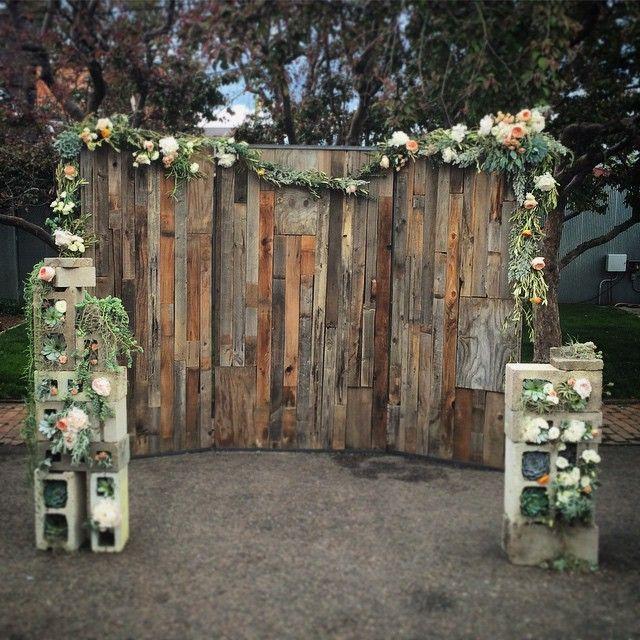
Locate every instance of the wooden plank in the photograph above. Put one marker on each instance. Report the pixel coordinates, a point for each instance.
(291, 319)
(192, 429)
(153, 318)
(493, 430)
(440, 242)
(277, 359)
(226, 248)
(180, 320)
(477, 425)
(251, 272)
(296, 212)
(103, 258)
(239, 283)
(115, 218)
(481, 203)
(450, 333)
(381, 337)
(483, 349)
(424, 392)
(200, 198)
(263, 344)
(234, 401)
(435, 392)
(359, 405)
(462, 424)
(428, 244)
(128, 218)
(408, 426)
(205, 381)
(356, 301)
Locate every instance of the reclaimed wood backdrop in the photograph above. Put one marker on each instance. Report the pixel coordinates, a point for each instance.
(273, 319)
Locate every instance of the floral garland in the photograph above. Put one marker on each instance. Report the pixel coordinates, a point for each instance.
(516, 145)
(570, 395)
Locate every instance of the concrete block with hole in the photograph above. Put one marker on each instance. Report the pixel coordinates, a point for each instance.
(60, 509)
(114, 487)
(515, 422)
(560, 361)
(108, 456)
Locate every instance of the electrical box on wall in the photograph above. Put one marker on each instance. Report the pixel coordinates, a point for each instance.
(615, 262)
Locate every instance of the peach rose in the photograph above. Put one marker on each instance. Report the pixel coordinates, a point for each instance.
(148, 145)
(538, 263)
(412, 146)
(70, 172)
(535, 300)
(530, 202)
(524, 115)
(101, 386)
(63, 359)
(518, 131)
(47, 274)
(61, 425)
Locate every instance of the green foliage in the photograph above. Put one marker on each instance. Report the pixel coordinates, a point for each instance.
(68, 145)
(534, 502)
(51, 317)
(55, 527)
(55, 494)
(14, 348)
(570, 564)
(105, 487)
(54, 348)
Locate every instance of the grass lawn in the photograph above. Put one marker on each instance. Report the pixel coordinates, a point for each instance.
(13, 359)
(616, 333)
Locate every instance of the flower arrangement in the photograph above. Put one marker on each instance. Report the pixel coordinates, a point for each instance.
(573, 489)
(542, 397)
(69, 432)
(515, 144)
(105, 514)
(536, 430)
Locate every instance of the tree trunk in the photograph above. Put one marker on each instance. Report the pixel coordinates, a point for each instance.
(546, 319)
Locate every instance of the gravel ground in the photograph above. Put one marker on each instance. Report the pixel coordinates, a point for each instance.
(294, 545)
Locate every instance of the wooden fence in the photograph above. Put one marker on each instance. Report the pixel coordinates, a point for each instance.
(270, 318)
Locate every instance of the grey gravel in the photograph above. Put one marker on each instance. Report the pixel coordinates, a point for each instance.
(295, 545)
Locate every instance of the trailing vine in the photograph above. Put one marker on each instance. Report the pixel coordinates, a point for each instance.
(512, 144)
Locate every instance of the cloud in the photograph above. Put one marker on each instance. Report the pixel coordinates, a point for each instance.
(227, 120)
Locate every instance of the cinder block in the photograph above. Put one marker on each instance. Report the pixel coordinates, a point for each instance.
(530, 544)
(64, 381)
(515, 482)
(68, 263)
(517, 373)
(42, 408)
(71, 513)
(514, 422)
(118, 381)
(112, 540)
(75, 277)
(115, 428)
(573, 364)
(581, 541)
(117, 453)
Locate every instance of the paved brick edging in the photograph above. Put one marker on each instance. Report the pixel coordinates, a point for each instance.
(621, 423)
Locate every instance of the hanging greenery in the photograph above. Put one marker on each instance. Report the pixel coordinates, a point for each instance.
(512, 144)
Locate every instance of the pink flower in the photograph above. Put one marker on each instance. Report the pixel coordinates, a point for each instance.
(47, 274)
(77, 419)
(524, 115)
(351, 189)
(538, 263)
(530, 202)
(148, 145)
(582, 387)
(101, 386)
(412, 146)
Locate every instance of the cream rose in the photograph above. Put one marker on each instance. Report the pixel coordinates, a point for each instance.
(398, 139)
(449, 154)
(590, 456)
(538, 263)
(77, 419)
(384, 162)
(537, 122)
(562, 462)
(106, 514)
(104, 123)
(582, 387)
(69, 438)
(351, 189)
(545, 182)
(101, 386)
(554, 433)
(194, 167)
(574, 431)
(458, 132)
(530, 201)
(226, 159)
(47, 274)
(486, 124)
(61, 306)
(168, 145)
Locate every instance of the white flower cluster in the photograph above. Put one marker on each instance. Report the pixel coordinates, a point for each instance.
(573, 480)
(68, 240)
(537, 430)
(508, 129)
(63, 205)
(106, 514)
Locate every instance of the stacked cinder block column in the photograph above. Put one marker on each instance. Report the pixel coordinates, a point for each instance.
(535, 529)
(66, 492)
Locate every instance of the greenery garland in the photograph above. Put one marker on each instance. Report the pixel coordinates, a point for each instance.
(513, 144)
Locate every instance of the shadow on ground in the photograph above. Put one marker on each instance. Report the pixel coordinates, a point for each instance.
(294, 545)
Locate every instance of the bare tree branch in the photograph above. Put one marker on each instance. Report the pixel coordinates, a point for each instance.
(29, 227)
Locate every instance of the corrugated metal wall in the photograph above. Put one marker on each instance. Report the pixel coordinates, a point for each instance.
(579, 280)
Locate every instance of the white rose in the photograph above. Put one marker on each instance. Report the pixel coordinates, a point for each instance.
(384, 162)
(554, 433)
(449, 154)
(398, 139)
(105, 514)
(574, 431)
(501, 131)
(553, 399)
(62, 237)
(101, 386)
(589, 455)
(77, 419)
(562, 462)
(569, 478)
(61, 306)
(143, 158)
(194, 167)
(69, 438)
(531, 433)
(168, 145)
(537, 121)
(226, 159)
(351, 189)
(104, 123)
(582, 387)
(585, 481)
(545, 182)
(486, 124)
(548, 388)
(458, 132)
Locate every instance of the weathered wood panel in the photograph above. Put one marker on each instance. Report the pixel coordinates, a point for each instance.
(271, 318)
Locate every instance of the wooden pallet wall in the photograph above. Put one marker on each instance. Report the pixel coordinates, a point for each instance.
(274, 319)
